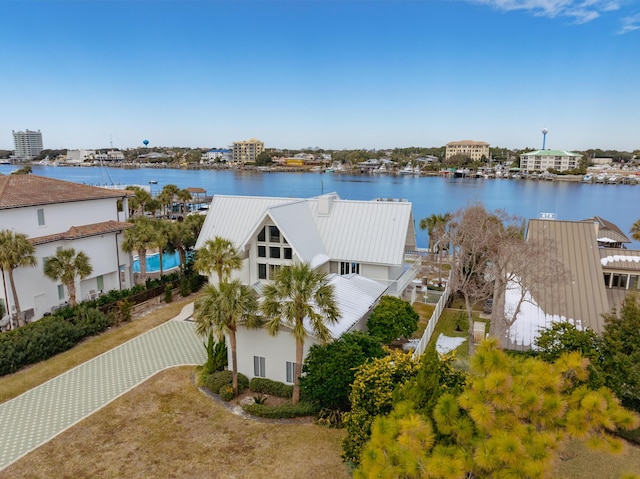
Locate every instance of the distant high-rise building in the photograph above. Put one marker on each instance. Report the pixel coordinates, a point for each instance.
(247, 151)
(27, 143)
(471, 149)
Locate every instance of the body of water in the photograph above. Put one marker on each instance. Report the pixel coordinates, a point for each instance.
(527, 199)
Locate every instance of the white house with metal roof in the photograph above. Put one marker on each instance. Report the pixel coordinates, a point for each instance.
(60, 214)
(361, 244)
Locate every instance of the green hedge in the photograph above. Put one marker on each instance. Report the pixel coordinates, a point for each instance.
(47, 337)
(217, 381)
(284, 411)
(267, 386)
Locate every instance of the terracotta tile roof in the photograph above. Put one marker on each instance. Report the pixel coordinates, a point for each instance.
(77, 232)
(31, 190)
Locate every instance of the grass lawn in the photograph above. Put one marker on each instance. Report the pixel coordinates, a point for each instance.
(15, 384)
(579, 462)
(167, 428)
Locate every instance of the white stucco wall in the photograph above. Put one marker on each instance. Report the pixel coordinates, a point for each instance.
(60, 217)
(276, 350)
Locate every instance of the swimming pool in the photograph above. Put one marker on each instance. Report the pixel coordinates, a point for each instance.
(169, 261)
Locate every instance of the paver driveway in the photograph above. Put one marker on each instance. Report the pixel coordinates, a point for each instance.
(43, 412)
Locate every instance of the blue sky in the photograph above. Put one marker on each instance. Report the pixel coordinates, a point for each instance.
(333, 74)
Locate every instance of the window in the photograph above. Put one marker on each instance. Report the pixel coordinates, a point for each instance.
(288, 253)
(100, 283)
(274, 252)
(607, 280)
(61, 292)
(262, 271)
(274, 234)
(259, 369)
(291, 372)
(347, 267)
(262, 251)
(261, 235)
(40, 217)
(273, 268)
(633, 282)
(619, 280)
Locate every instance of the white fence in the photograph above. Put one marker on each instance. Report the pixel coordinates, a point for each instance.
(431, 325)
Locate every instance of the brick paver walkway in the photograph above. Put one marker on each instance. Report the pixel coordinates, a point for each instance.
(35, 417)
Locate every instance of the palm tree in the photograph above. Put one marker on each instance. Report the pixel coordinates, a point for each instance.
(429, 224)
(635, 230)
(298, 293)
(183, 196)
(220, 309)
(65, 266)
(15, 252)
(166, 196)
(218, 255)
(140, 239)
(160, 239)
(138, 202)
(180, 237)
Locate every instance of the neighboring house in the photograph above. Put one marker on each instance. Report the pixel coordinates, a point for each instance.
(59, 214)
(608, 234)
(543, 160)
(361, 244)
(598, 280)
(220, 154)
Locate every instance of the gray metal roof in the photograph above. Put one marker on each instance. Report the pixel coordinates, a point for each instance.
(617, 258)
(607, 231)
(583, 297)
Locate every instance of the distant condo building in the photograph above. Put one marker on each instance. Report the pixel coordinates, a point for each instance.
(27, 143)
(543, 160)
(246, 151)
(220, 154)
(471, 149)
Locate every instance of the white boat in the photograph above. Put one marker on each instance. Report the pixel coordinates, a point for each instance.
(587, 178)
(407, 170)
(382, 170)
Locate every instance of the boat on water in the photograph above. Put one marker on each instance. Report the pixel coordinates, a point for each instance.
(382, 170)
(407, 170)
(461, 172)
(587, 178)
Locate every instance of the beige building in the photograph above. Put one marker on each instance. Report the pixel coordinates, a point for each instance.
(472, 149)
(246, 151)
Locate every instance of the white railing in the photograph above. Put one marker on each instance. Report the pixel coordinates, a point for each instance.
(431, 325)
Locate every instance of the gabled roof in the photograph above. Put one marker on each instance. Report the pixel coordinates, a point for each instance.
(232, 217)
(580, 300)
(607, 231)
(84, 231)
(18, 191)
(295, 222)
(362, 231)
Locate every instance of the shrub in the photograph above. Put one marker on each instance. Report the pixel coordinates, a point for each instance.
(284, 411)
(392, 318)
(185, 289)
(126, 309)
(90, 321)
(216, 381)
(226, 393)
(168, 293)
(267, 386)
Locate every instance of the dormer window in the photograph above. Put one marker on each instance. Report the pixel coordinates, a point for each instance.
(261, 235)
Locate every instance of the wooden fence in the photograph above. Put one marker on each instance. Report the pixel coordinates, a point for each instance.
(431, 325)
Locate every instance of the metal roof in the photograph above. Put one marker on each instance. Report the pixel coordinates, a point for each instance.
(355, 296)
(617, 258)
(366, 231)
(581, 299)
(361, 231)
(232, 217)
(551, 153)
(608, 231)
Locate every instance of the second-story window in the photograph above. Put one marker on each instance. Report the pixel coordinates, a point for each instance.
(274, 234)
(40, 217)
